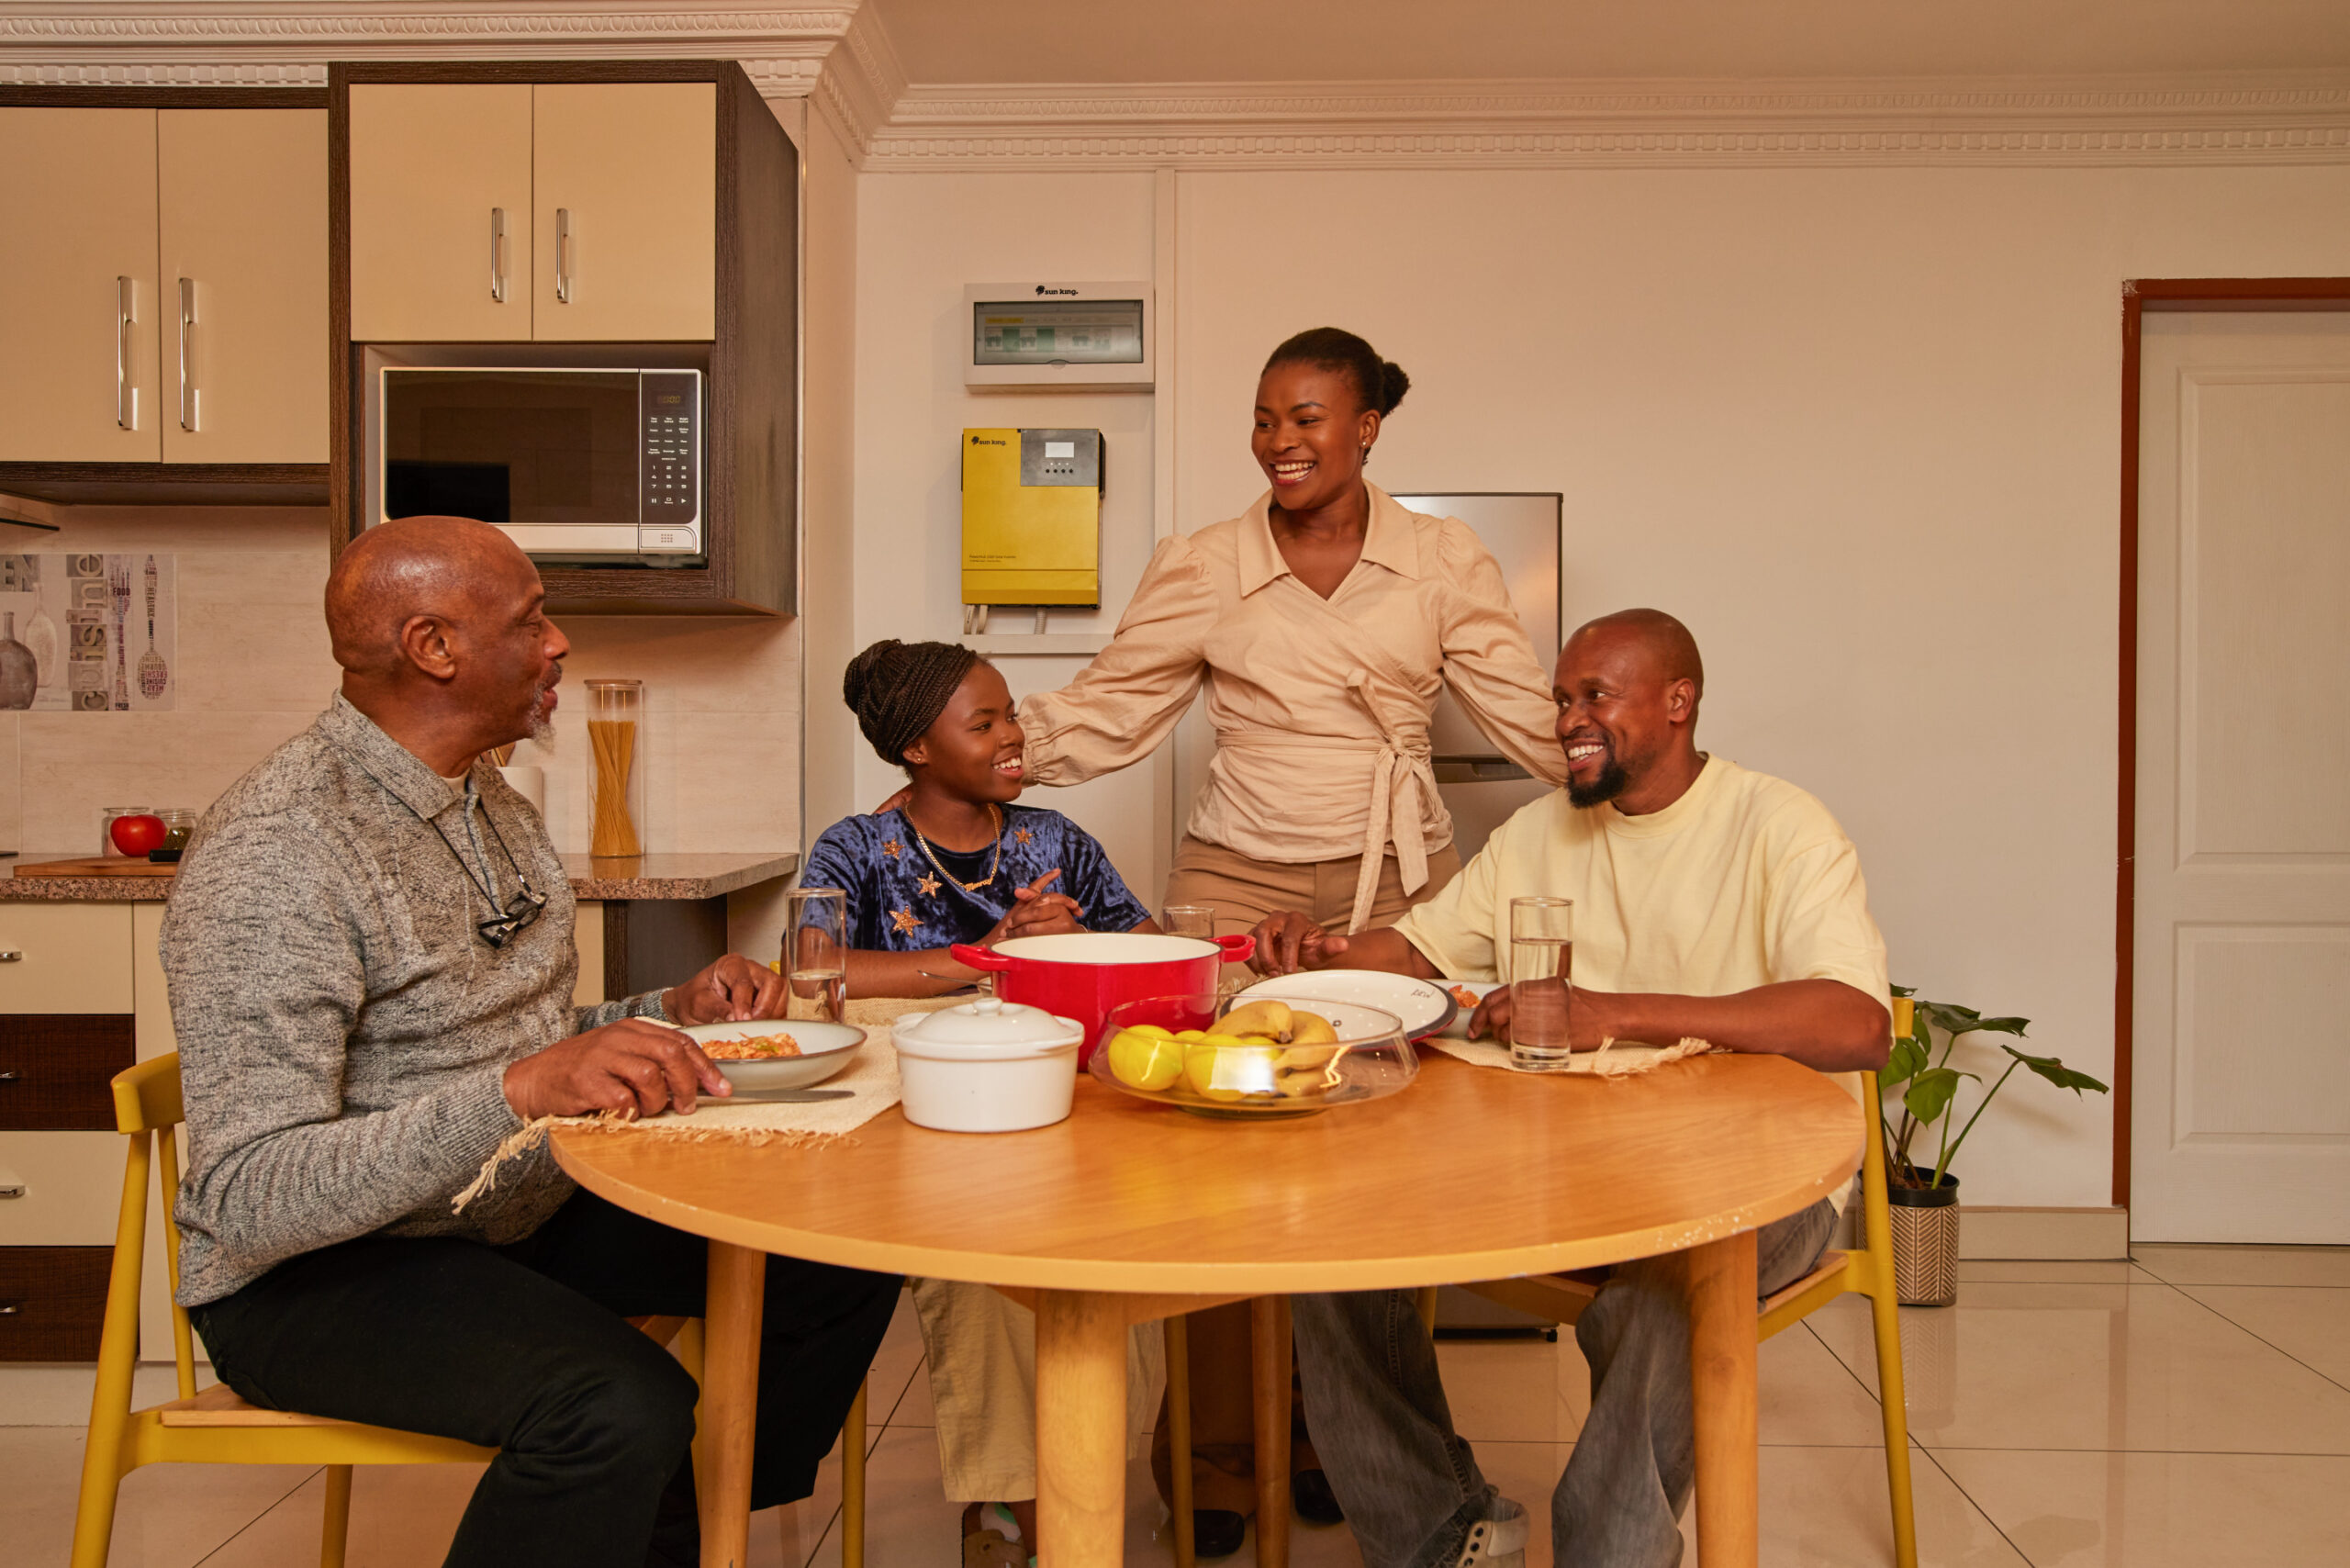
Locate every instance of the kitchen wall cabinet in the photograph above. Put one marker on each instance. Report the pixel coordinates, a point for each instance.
(163, 310)
(662, 200)
(78, 302)
(242, 198)
(625, 204)
(559, 211)
(440, 212)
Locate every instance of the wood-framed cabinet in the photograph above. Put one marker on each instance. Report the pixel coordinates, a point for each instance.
(164, 308)
(645, 203)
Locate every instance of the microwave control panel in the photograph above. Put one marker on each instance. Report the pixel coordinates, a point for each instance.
(670, 511)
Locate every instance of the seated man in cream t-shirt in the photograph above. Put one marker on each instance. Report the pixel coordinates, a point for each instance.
(1709, 901)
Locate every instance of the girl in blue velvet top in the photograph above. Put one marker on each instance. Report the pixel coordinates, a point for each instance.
(956, 861)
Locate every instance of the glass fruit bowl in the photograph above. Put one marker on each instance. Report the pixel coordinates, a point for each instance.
(1255, 1055)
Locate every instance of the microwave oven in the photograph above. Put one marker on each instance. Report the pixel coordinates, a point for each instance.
(589, 465)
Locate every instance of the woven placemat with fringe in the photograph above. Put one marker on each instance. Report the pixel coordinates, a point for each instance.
(1614, 1059)
(872, 1078)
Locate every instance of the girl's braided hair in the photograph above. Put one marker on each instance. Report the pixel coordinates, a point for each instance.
(897, 691)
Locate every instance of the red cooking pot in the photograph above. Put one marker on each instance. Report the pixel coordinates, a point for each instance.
(1083, 974)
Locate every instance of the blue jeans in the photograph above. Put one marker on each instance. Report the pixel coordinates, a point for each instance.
(1409, 1484)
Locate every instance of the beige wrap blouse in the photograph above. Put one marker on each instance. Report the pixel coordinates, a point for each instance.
(1321, 708)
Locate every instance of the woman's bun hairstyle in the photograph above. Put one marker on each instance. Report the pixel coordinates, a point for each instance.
(1381, 382)
(897, 691)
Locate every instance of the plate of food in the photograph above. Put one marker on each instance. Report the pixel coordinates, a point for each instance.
(1425, 1007)
(1466, 994)
(768, 1053)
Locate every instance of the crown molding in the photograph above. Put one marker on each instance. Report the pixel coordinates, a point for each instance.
(289, 42)
(2264, 117)
(841, 57)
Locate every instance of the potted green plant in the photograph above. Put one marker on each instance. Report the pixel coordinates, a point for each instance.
(1923, 1192)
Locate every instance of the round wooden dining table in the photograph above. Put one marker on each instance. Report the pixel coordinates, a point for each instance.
(1128, 1212)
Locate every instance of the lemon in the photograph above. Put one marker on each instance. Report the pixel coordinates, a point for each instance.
(1146, 1057)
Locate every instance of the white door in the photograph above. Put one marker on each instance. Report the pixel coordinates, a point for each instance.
(2241, 1121)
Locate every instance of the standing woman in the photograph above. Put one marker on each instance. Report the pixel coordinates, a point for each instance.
(1323, 622)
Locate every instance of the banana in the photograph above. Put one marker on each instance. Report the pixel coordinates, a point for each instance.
(1269, 1018)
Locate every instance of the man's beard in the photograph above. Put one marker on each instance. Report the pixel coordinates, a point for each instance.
(1610, 783)
(542, 721)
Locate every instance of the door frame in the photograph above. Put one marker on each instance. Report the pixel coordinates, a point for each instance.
(2139, 295)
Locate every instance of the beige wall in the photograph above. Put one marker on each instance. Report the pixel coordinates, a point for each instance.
(721, 735)
(922, 238)
(1857, 426)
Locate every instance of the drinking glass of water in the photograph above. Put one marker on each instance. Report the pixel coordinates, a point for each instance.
(815, 954)
(1542, 965)
(1189, 920)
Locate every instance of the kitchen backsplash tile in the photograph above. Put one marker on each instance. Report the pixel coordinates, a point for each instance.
(720, 745)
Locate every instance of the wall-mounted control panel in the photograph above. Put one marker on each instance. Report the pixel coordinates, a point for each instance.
(1056, 336)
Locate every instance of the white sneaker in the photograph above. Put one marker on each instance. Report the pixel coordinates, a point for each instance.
(1498, 1540)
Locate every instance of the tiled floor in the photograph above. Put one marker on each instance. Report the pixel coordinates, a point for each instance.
(2190, 1409)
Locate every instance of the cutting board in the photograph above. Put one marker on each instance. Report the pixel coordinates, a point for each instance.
(99, 866)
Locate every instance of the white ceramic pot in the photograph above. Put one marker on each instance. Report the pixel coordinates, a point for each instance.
(987, 1067)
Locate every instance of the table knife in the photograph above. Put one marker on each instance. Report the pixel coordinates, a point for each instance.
(782, 1096)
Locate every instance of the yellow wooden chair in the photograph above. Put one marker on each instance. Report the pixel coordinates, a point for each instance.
(1560, 1298)
(212, 1426)
(1867, 1271)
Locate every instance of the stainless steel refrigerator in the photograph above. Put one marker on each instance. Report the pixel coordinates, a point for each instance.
(1481, 787)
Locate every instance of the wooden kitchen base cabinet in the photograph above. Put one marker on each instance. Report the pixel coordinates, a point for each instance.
(53, 1301)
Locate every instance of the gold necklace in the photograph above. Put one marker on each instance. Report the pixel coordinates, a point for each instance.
(994, 865)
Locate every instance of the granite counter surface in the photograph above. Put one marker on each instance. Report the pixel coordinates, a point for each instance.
(640, 876)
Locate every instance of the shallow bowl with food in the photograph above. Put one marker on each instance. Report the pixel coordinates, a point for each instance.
(1258, 1056)
(819, 1051)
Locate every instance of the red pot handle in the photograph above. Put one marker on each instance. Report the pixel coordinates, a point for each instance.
(979, 957)
(1238, 949)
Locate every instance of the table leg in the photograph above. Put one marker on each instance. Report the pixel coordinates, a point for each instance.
(1721, 1373)
(1080, 1430)
(729, 1401)
(1270, 1354)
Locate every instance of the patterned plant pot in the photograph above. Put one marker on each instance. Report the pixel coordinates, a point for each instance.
(1925, 1243)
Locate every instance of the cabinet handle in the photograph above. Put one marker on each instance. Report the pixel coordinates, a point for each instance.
(11, 955)
(126, 396)
(13, 1189)
(563, 255)
(187, 346)
(10, 1075)
(11, 1308)
(497, 254)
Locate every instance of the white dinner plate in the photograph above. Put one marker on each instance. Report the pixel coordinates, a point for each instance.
(1424, 1006)
(824, 1049)
(1458, 1028)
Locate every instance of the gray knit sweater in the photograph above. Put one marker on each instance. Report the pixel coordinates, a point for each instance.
(343, 1031)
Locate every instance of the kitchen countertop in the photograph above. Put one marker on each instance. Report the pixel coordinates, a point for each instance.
(641, 876)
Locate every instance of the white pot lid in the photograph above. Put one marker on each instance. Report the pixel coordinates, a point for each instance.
(986, 1030)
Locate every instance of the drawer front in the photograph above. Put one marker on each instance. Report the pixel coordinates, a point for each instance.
(56, 1072)
(65, 957)
(53, 1301)
(67, 1188)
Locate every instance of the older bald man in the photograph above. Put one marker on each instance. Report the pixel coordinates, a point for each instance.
(369, 950)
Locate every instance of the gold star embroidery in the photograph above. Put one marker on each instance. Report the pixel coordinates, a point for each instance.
(929, 886)
(903, 919)
(891, 847)
(1019, 836)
